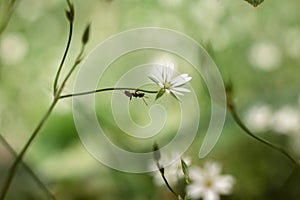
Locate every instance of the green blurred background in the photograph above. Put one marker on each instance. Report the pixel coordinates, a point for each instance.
(256, 48)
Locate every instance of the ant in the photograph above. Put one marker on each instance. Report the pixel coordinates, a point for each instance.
(136, 94)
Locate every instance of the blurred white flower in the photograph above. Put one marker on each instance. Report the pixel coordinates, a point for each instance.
(31, 10)
(265, 56)
(207, 13)
(286, 120)
(207, 183)
(164, 78)
(172, 172)
(258, 118)
(13, 48)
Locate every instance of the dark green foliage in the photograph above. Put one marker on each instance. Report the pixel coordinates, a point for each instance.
(86, 34)
(255, 2)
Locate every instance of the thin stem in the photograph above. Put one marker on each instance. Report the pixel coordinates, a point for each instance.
(168, 185)
(11, 8)
(105, 89)
(291, 175)
(19, 158)
(77, 61)
(30, 172)
(237, 119)
(38, 128)
(162, 172)
(63, 58)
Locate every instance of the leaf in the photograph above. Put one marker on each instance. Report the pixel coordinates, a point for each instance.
(255, 3)
(186, 197)
(86, 34)
(160, 93)
(185, 171)
(69, 15)
(176, 97)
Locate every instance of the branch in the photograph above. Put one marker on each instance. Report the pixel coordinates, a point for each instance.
(70, 17)
(232, 109)
(105, 89)
(30, 172)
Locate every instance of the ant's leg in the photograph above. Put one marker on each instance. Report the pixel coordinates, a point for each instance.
(145, 101)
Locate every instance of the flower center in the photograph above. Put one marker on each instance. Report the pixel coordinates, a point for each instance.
(208, 182)
(167, 85)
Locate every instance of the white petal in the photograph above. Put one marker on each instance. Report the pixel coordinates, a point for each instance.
(212, 168)
(168, 91)
(157, 72)
(180, 80)
(154, 79)
(176, 96)
(181, 89)
(157, 81)
(169, 73)
(196, 174)
(176, 92)
(164, 73)
(172, 66)
(194, 191)
(210, 195)
(186, 77)
(224, 184)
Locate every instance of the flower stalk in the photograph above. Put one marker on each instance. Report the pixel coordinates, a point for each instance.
(105, 89)
(70, 16)
(157, 157)
(232, 108)
(57, 92)
(28, 170)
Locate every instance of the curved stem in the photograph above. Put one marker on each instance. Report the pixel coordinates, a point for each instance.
(105, 89)
(11, 8)
(243, 126)
(19, 158)
(63, 58)
(168, 185)
(77, 61)
(29, 171)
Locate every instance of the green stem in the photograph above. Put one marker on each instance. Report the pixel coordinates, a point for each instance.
(105, 89)
(77, 61)
(29, 171)
(7, 16)
(242, 126)
(162, 172)
(19, 158)
(168, 185)
(63, 59)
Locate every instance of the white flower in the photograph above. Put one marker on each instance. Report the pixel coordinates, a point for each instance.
(13, 48)
(258, 117)
(164, 78)
(172, 172)
(287, 119)
(207, 183)
(265, 56)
